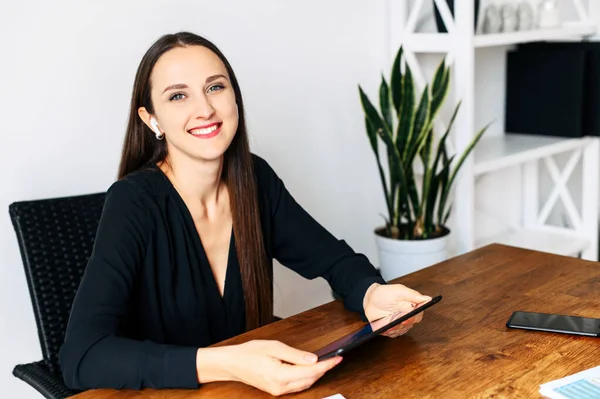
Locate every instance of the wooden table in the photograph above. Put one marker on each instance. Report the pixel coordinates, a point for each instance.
(461, 349)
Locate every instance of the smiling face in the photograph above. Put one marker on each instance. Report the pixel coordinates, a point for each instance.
(194, 103)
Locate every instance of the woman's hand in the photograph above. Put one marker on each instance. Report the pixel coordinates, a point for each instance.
(270, 366)
(385, 300)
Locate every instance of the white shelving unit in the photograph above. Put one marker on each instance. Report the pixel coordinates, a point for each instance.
(495, 152)
(528, 152)
(442, 42)
(558, 242)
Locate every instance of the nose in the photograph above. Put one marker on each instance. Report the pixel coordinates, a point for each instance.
(203, 108)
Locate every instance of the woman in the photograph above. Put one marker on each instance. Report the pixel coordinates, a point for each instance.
(183, 252)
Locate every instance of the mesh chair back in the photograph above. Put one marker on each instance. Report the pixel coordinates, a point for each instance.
(55, 239)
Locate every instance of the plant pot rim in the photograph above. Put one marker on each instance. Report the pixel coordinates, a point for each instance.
(445, 232)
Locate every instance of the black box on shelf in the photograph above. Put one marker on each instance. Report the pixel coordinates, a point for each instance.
(554, 89)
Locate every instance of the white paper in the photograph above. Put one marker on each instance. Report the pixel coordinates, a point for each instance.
(582, 385)
(336, 396)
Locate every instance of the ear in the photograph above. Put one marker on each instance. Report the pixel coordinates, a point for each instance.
(145, 117)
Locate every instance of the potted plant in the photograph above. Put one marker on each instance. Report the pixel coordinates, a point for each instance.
(415, 234)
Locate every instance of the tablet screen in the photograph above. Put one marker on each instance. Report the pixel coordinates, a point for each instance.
(370, 330)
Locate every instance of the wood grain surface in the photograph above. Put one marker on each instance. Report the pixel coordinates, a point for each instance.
(461, 349)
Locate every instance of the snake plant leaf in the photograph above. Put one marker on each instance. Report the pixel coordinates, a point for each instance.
(461, 161)
(428, 172)
(375, 126)
(416, 145)
(439, 94)
(398, 169)
(468, 151)
(372, 134)
(439, 181)
(445, 161)
(407, 113)
(373, 138)
(442, 144)
(422, 118)
(422, 122)
(394, 182)
(384, 103)
(438, 77)
(396, 82)
(447, 214)
(443, 177)
(371, 112)
(434, 192)
(413, 194)
(385, 106)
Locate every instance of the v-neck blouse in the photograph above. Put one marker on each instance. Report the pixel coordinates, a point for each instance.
(148, 299)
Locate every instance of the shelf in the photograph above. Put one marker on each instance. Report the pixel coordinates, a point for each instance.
(567, 31)
(442, 42)
(497, 152)
(552, 240)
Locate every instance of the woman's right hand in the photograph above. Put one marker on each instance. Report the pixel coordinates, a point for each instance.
(277, 368)
(274, 367)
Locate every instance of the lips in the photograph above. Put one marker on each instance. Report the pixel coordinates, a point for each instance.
(206, 131)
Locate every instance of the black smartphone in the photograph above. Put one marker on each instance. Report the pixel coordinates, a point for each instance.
(369, 331)
(555, 323)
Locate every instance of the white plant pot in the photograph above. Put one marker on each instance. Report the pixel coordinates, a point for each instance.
(400, 257)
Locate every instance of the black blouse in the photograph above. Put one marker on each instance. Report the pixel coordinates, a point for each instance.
(148, 298)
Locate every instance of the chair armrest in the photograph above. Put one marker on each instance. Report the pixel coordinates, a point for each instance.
(49, 385)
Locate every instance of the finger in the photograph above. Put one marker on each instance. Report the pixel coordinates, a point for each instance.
(400, 327)
(325, 365)
(413, 320)
(397, 334)
(397, 331)
(408, 294)
(301, 372)
(286, 353)
(303, 383)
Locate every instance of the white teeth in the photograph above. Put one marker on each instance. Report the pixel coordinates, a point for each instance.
(207, 130)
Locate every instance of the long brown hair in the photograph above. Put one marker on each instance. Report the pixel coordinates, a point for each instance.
(141, 147)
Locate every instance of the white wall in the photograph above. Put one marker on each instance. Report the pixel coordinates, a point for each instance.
(66, 74)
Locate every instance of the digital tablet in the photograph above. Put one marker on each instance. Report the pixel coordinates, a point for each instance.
(369, 331)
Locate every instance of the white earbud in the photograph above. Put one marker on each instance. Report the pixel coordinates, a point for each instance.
(154, 124)
(157, 131)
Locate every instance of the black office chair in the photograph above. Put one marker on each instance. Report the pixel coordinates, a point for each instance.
(55, 238)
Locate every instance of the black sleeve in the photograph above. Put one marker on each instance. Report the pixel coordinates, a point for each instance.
(94, 355)
(303, 245)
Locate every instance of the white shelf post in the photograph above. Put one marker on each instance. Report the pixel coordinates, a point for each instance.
(591, 166)
(530, 194)
(594, 14)
(464, 78)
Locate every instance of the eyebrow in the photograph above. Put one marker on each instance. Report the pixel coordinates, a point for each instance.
(180, 86)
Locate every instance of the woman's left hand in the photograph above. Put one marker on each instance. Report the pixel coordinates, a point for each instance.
(387, 299)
